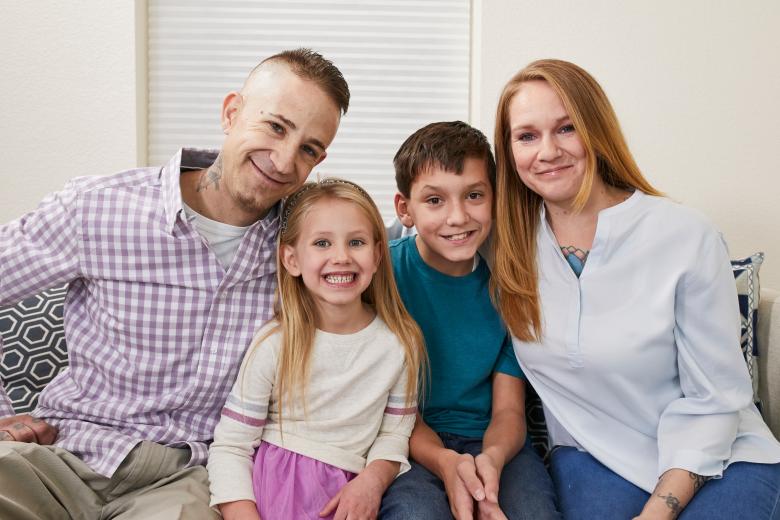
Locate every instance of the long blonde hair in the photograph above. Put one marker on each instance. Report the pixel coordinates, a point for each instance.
(514, 276)
(294, 309)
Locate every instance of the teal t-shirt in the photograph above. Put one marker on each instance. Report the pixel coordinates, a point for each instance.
(466, 340)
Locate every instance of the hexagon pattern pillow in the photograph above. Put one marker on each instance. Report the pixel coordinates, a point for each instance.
(34, 348)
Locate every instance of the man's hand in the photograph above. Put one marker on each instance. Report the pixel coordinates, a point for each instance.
(25, 428)
(239, 510)
(359, 499)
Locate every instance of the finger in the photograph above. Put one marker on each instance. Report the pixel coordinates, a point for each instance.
(341, 513)
(462, 505)
(488, 475)
(467, 472)
(490, 510)
(331, 505)
(44, 432)
(22, 432)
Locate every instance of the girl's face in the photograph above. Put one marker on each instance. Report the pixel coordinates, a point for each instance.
(335, 254)
(548, 154)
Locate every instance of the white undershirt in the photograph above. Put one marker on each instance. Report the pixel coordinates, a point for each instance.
(222, 238)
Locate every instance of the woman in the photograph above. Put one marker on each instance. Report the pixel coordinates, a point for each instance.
(624, 317)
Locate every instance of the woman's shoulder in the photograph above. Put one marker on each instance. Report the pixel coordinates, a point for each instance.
(657, 213)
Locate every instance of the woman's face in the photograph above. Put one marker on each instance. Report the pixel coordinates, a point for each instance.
(548, 153)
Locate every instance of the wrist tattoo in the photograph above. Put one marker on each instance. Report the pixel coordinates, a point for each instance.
(698, 481)
(672, 502)
(211, 176)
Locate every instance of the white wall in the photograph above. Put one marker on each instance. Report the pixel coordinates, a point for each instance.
(695, 83)
(67, 96)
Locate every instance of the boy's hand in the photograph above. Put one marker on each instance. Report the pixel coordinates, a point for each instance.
(360, 498)
(489, 472)
(461, 500)
(239, 510)
(487, 510)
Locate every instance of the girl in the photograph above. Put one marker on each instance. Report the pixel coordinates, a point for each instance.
(327, 390)
(624, 314)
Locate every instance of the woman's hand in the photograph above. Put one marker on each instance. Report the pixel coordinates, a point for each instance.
(239, 510)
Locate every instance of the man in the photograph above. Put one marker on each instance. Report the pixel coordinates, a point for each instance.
(171, 270)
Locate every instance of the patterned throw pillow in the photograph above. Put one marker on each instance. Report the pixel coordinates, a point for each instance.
(748, 290)
(34, 348)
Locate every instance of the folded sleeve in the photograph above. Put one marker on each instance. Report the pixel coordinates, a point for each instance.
(240, 427)
(507, 361)
(6, 409)
(392, 441)
(697, 430)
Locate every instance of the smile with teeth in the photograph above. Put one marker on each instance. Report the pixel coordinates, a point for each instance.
(459, 236)
(340, 278)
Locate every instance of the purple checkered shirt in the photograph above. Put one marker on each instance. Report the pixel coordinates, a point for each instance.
(156, 328)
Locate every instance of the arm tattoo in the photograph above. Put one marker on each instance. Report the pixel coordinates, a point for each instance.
(672, 502)
(698, 481)
(211, 176)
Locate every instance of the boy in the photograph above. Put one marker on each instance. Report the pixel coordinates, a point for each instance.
(468, 445)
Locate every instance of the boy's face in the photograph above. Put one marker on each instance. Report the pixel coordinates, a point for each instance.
(452, 214)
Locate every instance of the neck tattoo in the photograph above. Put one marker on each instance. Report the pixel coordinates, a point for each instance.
(211, 176)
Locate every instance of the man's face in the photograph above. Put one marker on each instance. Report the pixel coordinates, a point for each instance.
(277, 130)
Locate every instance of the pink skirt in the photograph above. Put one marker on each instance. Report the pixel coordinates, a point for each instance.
(289, 486)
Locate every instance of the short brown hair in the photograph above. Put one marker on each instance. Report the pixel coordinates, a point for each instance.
(445, 144)
(312, 66)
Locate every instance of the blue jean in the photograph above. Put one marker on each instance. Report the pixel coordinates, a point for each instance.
(525, 490)
(587, 489)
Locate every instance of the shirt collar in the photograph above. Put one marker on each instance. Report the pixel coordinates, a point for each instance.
(191, 159)
(186, 159)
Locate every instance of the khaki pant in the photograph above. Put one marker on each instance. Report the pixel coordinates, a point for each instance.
(152, 483)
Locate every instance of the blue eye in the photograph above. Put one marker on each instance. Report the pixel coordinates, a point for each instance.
(566, 129)
(356, 242)
(308, 150)
(321, 243)
(276, 127)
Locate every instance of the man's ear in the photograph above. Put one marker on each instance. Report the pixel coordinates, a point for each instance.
(402, 210)
(231, 107)
(287, 254)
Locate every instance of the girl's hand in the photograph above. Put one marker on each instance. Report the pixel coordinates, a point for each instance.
(239, 510)
(360, 498)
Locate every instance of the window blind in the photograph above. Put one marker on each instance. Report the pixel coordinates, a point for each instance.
(406, 62)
